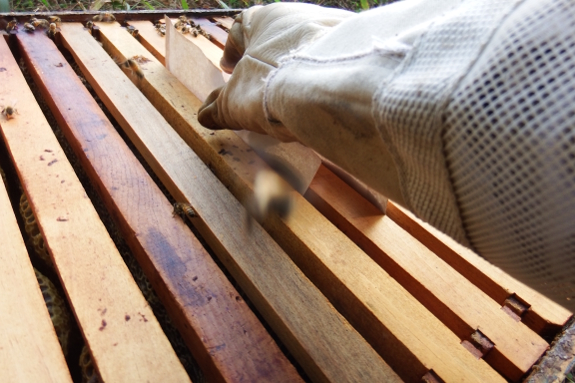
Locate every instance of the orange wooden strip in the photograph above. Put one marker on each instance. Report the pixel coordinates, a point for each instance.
(219, 36)
(452, 298)
(544, 316)
(99, 287)
(150, 38)
(225, 337)
(29, 348)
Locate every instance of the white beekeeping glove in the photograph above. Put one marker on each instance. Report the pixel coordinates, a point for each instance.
(461, 110)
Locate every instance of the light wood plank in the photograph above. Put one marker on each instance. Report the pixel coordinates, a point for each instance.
(326, 346)
(150, 38)
(544, 316)
(226, 21)
(98, 285)
(29, 348)
(219, 36)
(376, 304)
(225, 337)
(452, 298)
(212, 52)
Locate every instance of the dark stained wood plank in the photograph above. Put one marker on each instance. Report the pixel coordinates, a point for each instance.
(225, 337)
(323, 342)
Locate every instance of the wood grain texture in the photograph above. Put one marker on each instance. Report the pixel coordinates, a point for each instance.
(544, 316)
(326, 346)
(225, 337)
(407, 335)
(226, 21)
(150, 39)
(29, 348)
(446, 293)
(212, 52)
(218, 35)
(99, 287)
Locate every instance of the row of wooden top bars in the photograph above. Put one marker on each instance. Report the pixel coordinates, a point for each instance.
(412, 296)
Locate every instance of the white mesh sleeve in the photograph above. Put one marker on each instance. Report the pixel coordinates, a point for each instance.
(480, 119)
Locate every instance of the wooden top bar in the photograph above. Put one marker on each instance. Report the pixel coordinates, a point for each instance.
(192, 286)
(96, 280)
(318, 248)
(322, 341)
(29, 348)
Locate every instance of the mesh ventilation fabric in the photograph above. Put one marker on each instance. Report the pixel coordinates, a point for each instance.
(509, 142)
(408, 108)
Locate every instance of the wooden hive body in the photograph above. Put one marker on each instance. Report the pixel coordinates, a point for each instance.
(348, 293)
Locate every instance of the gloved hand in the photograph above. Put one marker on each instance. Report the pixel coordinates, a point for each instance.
(259, 37)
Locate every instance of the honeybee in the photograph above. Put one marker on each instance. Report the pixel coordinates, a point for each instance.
(54, 19)
(39, 23)
(161, 31)
(133, 66)
(180, 24)
(222, 26)
(9, 111)
(89, 25)
(105, 17)
(272, 194)
(29, 27)
(141, 59)
(184, 209)
(12, 26)
(52, 31)
(132, 30)
(186, 29)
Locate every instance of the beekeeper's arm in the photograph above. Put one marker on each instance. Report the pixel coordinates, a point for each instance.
(462, 111)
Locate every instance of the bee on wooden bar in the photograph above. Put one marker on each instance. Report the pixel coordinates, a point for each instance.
(133, 66)
(186, 29)
(55, 19)
(183, 209)
(105, 17)
(39, 23)
(132, 30)
(140, 59)
(89, 25)
(12, 26)
(52, 31)
(9, 111)
(29, 27)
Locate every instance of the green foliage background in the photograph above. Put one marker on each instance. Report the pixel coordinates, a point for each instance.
(70, 5)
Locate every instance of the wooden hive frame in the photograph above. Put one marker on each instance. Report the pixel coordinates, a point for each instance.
(350, 293)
